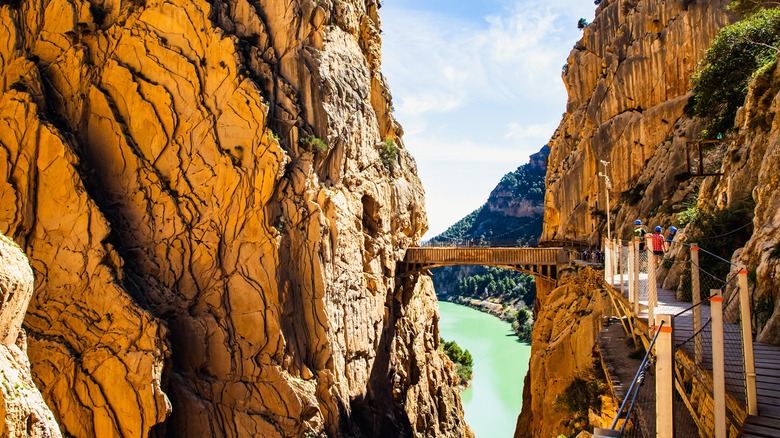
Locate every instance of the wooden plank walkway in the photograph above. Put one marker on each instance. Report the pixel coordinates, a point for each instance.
(767, 359)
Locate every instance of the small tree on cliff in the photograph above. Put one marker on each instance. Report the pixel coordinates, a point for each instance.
(582, 23)
(738, 51)
(750, 7)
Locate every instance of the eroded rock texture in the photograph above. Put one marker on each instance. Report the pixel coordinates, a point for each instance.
(23, 413)
(199, 187)
(628, 81)
(567, 323)
(752, 170)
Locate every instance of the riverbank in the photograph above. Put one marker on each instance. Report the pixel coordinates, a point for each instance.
(505, 311)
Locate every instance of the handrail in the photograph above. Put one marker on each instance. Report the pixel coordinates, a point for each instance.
(636, 379)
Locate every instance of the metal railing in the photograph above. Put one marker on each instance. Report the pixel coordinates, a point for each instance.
(711, 375)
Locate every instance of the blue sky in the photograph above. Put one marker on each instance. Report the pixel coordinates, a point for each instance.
(477, 87)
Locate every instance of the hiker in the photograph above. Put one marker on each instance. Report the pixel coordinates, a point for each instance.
(670, 238)
(658, 245)
(640, 233)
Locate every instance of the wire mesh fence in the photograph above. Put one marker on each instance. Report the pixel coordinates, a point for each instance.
(643, 279)
(692, 274)
(694, 371)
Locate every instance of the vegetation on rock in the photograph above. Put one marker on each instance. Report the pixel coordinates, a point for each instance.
(315, 143)
(736, 54)
(388, 153)
(749, 7)
(464, 363)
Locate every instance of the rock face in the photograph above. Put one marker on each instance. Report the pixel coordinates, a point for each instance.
(519, 193)
(214, 235)
(751, 168)
(23, 413)
(568, 320)
(628, 81)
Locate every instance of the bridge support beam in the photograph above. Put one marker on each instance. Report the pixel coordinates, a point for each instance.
(664, 376)
(635, 275)
(621, 268)
(652, 287)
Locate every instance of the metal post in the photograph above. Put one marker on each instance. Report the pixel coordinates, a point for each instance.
(607, 262)
(747, 343)
(718, 363)
(696, 298)
(652, 291)
(636, 276)
(664, 376)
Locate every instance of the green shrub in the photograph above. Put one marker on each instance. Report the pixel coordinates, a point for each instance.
(737, 52)
(580, 396)
(316, 144)
(464, 363)
(721, 232)
(749, 7)
(688, 215)
(388, 153)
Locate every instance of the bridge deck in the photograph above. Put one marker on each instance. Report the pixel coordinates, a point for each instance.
(483, 255)
(767, 360)
(541, 262)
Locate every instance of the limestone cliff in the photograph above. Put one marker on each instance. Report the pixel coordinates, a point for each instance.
(22, 409)
(751, 169)
(214, 234)
(628, 81)
(568, 319)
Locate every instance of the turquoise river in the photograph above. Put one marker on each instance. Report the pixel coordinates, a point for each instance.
(495, 396)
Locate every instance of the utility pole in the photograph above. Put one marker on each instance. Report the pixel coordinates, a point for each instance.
(608, 187)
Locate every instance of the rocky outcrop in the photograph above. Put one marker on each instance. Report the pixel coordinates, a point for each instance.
(568, 320)
(628, 81)
(23, 413)
(751, 169)
(200, 190)
(519, 194)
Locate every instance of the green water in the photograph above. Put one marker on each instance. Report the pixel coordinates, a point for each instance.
(492, 402)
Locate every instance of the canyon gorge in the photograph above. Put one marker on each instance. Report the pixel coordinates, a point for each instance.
(204, 207)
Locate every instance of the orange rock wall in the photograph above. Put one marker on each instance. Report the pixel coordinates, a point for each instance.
(196, 258)
(628, 80)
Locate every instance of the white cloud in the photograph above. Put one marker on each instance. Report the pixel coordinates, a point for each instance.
(481, 90)
(518, 131)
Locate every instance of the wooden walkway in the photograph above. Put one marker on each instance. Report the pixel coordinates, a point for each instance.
(767, 359)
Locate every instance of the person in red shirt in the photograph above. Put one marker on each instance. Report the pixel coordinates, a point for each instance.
(658, 245)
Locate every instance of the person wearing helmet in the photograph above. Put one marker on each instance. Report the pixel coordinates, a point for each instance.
(640, 233)
(670, 238)
(658, 245)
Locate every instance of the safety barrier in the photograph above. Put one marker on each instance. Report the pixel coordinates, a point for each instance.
(704, 367)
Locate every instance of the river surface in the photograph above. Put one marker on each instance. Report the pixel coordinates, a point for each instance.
(492, 402)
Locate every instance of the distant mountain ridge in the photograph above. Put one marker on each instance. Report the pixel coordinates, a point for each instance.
(513, 212)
